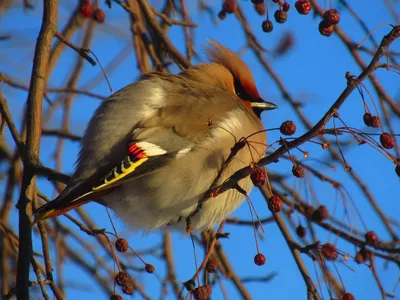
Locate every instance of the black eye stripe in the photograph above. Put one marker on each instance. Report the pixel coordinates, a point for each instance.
(241, 92)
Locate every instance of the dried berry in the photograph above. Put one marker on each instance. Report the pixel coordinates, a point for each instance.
(116, 297)
(332, 16)
(387, 140)
(303, 6)
(99, 15)
(367, 117)
(376, 122)
(149, 268)
(301, 231)
(329, 251)
(371, 238)
(260, 259)
(280, 16)
(201, 293)
(348, 296)
(229, 6)
(320, 213)
(86, 10)
(222, 15)
(274, 204)
(258, 176)
(267, 26)
(260, 8)
(362, 256)
(309, 211)
(298, 171)
(288, 128)
(128, 288)
(285, 6)
(211, 266)
(325, 28)
(121, 245)
(122, 278)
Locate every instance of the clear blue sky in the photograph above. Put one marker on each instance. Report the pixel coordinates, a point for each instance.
(314, 73)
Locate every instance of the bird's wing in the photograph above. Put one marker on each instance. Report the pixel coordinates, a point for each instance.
(162, 133)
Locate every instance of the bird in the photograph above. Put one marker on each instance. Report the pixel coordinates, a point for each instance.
(154, 148)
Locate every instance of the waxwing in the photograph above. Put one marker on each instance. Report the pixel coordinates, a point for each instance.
(153, 148)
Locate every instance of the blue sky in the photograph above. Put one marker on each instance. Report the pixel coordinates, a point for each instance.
(313, 72)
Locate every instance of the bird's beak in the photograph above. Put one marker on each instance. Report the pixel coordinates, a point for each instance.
(261, 104)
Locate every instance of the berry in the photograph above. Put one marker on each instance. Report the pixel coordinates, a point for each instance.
(229, 6)
(332, 16)
(362, 256)
(260, 259)
(288, 128)
(99, 15)
(371, 238)
(280, 16)
(116, 297)
(285, 6)
(149, 268)
(201, 293)
(122, 278)
(367, 117)
(320, 213)
(301, 231)
(260, 8)
(325, 29)
(121, 245)
(309, 211)
(267, 26)
(303, 6)
(348, 296)
(329, 251)
(257, 1)
(258, 176)
(298, 171)
(274, 204)
(211, 266)
(86, 10)
(387, 140)
(376, 122)
(128, 288)
(222, 15)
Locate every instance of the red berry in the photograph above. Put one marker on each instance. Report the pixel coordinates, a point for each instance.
(301, 231)
(280, 16)
(128, 288)
(99, 15)
(116, 297)
(320, 213)
(267, 26)
(211, 266)
(332, 16)
(229, 6)
(274, 204)
(371, 238)
(260, 259)
(348, 296)
(258, 176)
(121, 245)
(298, 171)
(303, 6)
(288, 128)
(201, 293)
(376, 122)
(387, 140)
(122, 278)
(367, 117)
(329, 251)
(86, 10)
(285, 6)
(362, 256)
(260, 8)
(149, 268)
(325, 29)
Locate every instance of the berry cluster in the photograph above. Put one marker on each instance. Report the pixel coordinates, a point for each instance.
(87, 10)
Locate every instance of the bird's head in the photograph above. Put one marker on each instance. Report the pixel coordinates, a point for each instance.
(236, 77)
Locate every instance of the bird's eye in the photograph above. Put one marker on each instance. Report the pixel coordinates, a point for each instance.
(240, 91)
